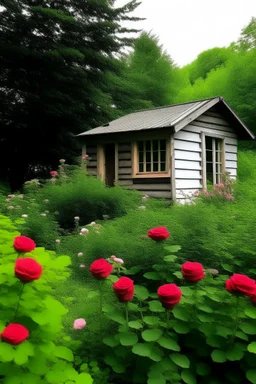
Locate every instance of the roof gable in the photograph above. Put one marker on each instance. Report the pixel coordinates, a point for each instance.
(174, 116)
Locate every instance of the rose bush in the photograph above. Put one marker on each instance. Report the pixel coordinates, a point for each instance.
(158, 234)
(31, 316)
(192, 271)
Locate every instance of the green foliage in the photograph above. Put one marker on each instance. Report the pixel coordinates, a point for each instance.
(38, 359)
(86, 197)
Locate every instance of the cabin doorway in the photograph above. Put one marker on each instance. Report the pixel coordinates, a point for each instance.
(110, 164)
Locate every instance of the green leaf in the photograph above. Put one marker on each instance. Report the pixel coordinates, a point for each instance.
(241, 335)
(218, 356)
(128, 338)
(227, 267)
(172, 248)
(250, 312)
(170, 258)
(113, 278)
(111, 341)
(20, 358)
(152, 276)
(249, 329)
(150, 320)
(136, 324)
(252, 347)
(203, 369)
(12, 380)
(168, 343)
(26, 348)
(181, 328)
(251, 375)
(141, 292)
(84, 378)
(152, 334)
(181, 313)
(187, 291)
(133, 270)
(178, 275)
(235, 353)
(64, 353)
(205, 308)
(116, 316)
(188, 377)
(156, 306)
(180, 360)
(156, 379)
(141, 349)
(115, 363)
(6, 352)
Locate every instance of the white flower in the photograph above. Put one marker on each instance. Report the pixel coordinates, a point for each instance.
(11, 207)
(62, 161)
(20, 196)
(57, 241)
(92, 223)
(43, 214)
(46, 201)
(118, 261)
(142, 207)
(11, 196)
(24, 216)
(80, 254)
(84, 231)
(76, 218)
(82, 266)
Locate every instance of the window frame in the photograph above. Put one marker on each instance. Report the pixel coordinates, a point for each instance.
(135, 159)
(204, 158)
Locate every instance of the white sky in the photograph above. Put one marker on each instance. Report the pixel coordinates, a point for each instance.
(187, 27)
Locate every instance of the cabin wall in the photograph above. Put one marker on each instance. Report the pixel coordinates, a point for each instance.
(189, 156)
(91, 151)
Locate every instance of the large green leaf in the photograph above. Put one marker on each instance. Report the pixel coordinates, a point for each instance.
(188, 377)
(150, 320)
(181, 328)
(235, 353)
(180, 360)
(152, 276)
(128, 338)
(218, 356)
(84, 378)
(136, 324)
(6, 352)
(181, 313)
(248, 328)
(20, 358)
(168, 343)
(111, 341)
(251, 375)
(250, 312)
(142, 349)
(12, 379)
(64, 353)
(116, 316)
(115, 363)
(252, 347)
(152, 334)
(156, 306)
(141, 292)
(203, 369)
(156, 379)
(172, 248)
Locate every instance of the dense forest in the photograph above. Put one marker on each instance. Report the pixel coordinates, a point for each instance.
(66, 70)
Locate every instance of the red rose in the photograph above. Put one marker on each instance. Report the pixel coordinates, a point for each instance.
(241, 284)
(124, 289)
(14, 334)
(23, 244)
(53, 173)
(27, 269)
(192, 271)
(101, 269)
(169, 295)
(158, 234)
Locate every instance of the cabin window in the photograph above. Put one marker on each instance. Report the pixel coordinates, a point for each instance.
(214, 148)
(151, 157)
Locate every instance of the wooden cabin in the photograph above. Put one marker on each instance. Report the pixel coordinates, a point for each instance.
(167, 152)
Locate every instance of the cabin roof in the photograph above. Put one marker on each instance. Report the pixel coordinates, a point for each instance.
(176, 116)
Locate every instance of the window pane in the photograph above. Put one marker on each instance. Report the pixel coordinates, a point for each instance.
(162, 145)
(163, 167)
(209, 156)
(148, 167)
(140, 146)
(208, 142)
(148, 145)
(163, 157)
(141, 157)
(155, 167)
(148, 157)
(155, 157)
(155, 145)
(140, 167)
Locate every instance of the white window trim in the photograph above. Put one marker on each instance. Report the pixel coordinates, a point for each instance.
(223, 165)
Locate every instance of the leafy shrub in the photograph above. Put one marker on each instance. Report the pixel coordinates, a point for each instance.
(40, 358)
(86, 197)
(207, 338)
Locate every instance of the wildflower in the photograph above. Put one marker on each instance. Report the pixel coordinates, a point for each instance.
(11, 196)
(76, 218)
(20, 196)
(92, 223)
(97, 232)
(43, 214)
(24, 216)
(62, 161)
(84, 231)
(8, 200)
(113, 257)
(105, 217)
(142, 207)
(53, 173)
(79, 324)
(11, 207)
(84, 157)
(228, 196)
(46, 201)
(82, 266)
(214, 272)
(80, 254)
(118, 261)
(57, 241)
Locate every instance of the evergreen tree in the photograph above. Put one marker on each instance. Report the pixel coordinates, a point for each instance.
(53, 59)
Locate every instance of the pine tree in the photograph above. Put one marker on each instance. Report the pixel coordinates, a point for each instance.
(54, 56)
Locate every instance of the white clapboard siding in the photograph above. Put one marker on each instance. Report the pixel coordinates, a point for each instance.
(187, 155)
(185, 164)
(185, 174)
(188, 184)
(187, 146)
(230, 148)
(230, 140)
(231, 164)
(197, 127)
(231, 156)
(188, 136)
